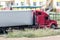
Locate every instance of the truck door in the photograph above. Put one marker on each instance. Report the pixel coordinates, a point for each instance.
(40, 18)
(47, 20)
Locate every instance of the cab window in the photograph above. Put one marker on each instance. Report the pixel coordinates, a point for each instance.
(46, 18)
(39, 13)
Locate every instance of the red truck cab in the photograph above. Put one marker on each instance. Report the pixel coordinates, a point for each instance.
(43, 20)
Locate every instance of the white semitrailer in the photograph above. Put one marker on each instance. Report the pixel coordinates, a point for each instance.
(14, 18)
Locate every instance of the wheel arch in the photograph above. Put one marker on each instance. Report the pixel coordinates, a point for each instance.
(53, 24)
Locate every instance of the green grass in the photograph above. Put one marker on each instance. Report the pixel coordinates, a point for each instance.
(30, 33)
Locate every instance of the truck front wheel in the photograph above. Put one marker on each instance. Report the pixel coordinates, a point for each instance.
(53, 26)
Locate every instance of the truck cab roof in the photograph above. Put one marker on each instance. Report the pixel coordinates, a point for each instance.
(42, 12)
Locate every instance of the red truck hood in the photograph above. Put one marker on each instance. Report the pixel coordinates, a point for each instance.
(54, 21)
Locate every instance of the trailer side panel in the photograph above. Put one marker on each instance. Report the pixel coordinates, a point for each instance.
(12, 18)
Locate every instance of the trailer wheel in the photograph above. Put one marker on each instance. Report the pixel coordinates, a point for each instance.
(1, 32)
(53, 26)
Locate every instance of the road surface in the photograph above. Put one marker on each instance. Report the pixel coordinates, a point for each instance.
(41, 38)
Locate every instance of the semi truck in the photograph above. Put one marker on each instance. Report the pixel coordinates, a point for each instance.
(28, 18)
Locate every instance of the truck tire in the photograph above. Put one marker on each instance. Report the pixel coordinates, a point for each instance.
(1, 32)
(53, 26)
